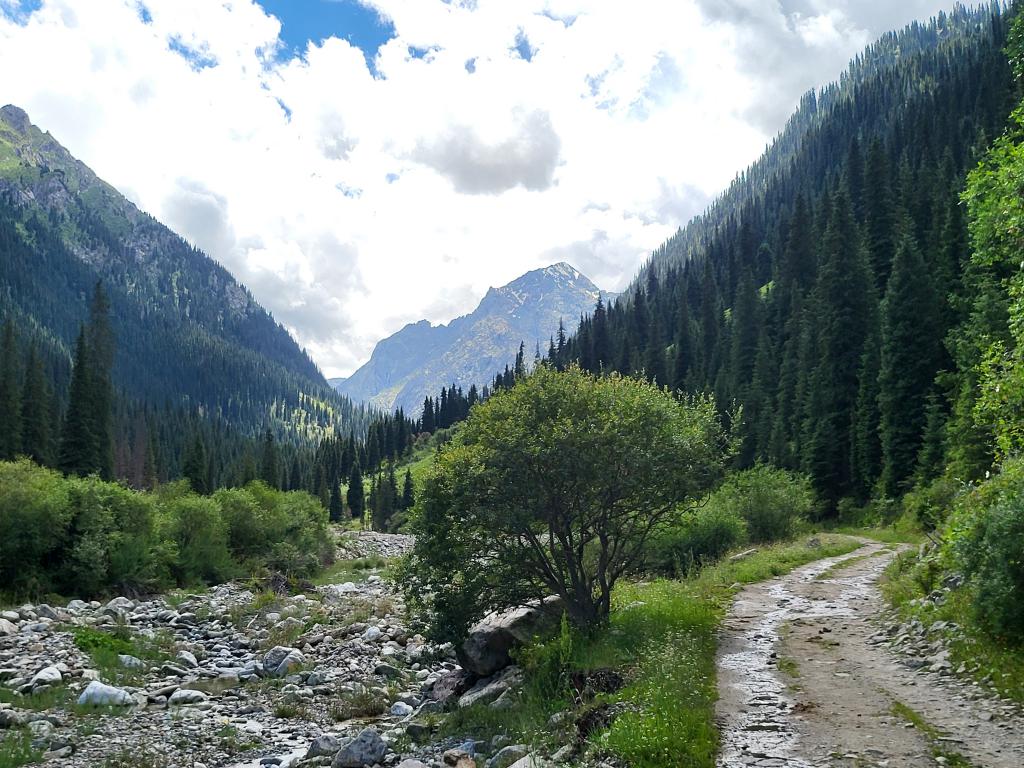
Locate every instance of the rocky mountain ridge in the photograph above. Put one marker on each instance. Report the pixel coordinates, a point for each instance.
(421, 358)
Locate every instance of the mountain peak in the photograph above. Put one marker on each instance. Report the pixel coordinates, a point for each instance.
(16, 118)
(420, 359)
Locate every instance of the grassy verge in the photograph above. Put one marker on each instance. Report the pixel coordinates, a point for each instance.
(886, 535)
(16, 750)
(662, 641)
(951, 759)
(350, 570)
(990, 662)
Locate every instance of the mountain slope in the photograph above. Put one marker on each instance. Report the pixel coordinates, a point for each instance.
(188, 333)
(421, 358)
(825, 291)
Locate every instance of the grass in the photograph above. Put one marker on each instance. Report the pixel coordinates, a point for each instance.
(16, 750)
(886, 535)
(932, 734)
(351, 570)
(104, 648)
(832, 570)
(988, 661)
(662, 639)
(358, 705)
(50, 698)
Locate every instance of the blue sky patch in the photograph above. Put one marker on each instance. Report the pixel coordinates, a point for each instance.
(305, 21)
(523, 47)
(196, 59)
(19, 10)
(471, 66)
(144, 13)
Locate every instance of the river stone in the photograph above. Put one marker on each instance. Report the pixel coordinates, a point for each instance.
(183, 696)
(46, 676)
(187, 659)
(281, 660)
(99, 694)
(130, 662)
(489, 689)
(411, 763)
(401, 709)
(7, 629)
(367, 748)
(488, 647)
(509, 755)
(324, 746)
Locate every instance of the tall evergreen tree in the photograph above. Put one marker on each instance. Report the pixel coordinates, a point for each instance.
(356, 497)
(910, 353)
(270, 464)
(196, 466)
(335, 508)
(408, 491)
(844, 304)
(10, 400)
(78, 444)
(36, 407)
(100, 338)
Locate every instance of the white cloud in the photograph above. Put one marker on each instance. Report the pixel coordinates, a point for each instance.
(352, 204)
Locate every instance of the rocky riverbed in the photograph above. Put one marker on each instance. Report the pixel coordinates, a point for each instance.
(238, 677)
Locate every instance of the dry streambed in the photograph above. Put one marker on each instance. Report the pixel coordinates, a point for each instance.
(224, 678)
(811, 675)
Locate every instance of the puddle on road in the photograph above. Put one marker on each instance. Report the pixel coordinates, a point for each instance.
(761, 732)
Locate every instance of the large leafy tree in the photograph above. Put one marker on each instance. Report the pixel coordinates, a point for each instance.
(553, 488)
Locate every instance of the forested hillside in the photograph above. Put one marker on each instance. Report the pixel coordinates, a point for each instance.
(829, 296)
(193, 350)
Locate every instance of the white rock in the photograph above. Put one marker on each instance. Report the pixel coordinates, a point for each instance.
(99, 694)
(47, 676)
(184, 696)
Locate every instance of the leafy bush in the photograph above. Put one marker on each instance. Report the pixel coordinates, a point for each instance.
(702, 536)
(87, 537)
(986, 537)
(771, 501)
(34, 519)
(929, 505)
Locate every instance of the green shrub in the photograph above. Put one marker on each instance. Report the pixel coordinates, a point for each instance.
(986, 542)
(928, 506)
(195, 527)
(771, 501)
(34, 520)
(701, 537)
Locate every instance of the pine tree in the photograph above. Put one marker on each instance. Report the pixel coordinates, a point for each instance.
(270, 464)
(100, 338)
(10, 400)
(867, 448)
(36, 405)
(78, 444)
(196, 466)
(408, 492)
(356, 497)
(335, 507)
(844, 303)
(910, 352)
(746, 324)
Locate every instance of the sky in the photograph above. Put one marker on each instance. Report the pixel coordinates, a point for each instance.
(363, 164)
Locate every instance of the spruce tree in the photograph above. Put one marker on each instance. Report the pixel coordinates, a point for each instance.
(335, 507)
(36, 406)
(196, 466)
(10, 400)
(910, 351)
(78, 444)
(270, 464)
(100, 338)
(408, 492)
(356, 496)
(844, 303)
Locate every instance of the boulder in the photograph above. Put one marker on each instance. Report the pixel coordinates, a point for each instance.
(458, 758)
(368, 748)
(46, 676)
(99, 694)
(489, 689)
(187, 659)
(451, 686)
(7, 629)
(130, 662)
(324, 746)
(401, 709)
(281, 660)
(509, 755)
(183, 696)
(410, 763)
(487, 649)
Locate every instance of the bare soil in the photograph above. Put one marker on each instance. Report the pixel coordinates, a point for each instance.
(804, 681)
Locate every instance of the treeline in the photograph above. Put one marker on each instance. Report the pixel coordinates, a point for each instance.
(87, 537)
(835, 303)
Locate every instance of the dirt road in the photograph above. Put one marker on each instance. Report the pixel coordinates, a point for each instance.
(803, 681)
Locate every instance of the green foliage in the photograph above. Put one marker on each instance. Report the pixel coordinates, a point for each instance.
(87, 537)
(16, 749)
(771, 501)
(701, 536)
(555, 487)
(987, 544)
(929, 505)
